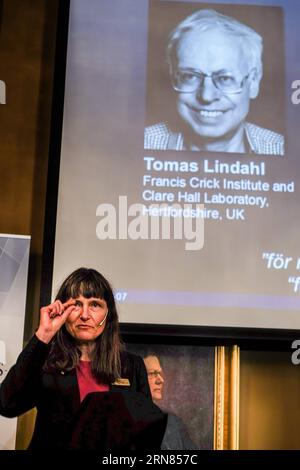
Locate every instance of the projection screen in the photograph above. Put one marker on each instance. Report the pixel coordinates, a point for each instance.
(179, 166)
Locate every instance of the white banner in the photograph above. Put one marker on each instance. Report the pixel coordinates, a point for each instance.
(14, 256)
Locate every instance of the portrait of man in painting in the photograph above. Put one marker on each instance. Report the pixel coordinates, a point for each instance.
(181, 380)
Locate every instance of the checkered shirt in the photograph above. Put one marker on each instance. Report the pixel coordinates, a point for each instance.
(261, 141)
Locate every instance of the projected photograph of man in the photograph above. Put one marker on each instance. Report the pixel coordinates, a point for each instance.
(215, 69)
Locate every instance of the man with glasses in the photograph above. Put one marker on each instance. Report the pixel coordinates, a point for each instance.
(215, 65)
(176, 436)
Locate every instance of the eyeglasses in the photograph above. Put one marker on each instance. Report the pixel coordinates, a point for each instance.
(155, 373)
(190, 80)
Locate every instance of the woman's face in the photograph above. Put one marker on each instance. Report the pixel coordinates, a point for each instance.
(88, 319)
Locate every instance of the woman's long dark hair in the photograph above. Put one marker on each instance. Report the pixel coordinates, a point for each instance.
(64, 353)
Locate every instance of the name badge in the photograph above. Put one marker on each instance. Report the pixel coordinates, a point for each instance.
(122, 382)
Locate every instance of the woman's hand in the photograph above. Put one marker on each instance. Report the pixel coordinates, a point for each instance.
(52, 317)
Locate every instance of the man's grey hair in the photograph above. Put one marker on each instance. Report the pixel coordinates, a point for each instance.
(206, 19)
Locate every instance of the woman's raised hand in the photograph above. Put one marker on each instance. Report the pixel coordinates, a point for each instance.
(52, 317)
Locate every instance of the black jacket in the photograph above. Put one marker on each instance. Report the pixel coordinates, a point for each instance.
(59, 411)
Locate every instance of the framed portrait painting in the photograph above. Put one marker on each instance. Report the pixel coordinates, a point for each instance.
(181, 380)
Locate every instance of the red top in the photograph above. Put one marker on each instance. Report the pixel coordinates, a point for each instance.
(87, 383)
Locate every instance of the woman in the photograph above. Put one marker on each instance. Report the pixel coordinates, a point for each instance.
(76, 353)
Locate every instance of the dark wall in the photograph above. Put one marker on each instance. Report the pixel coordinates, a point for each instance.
(269, 401)
(28, 31)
